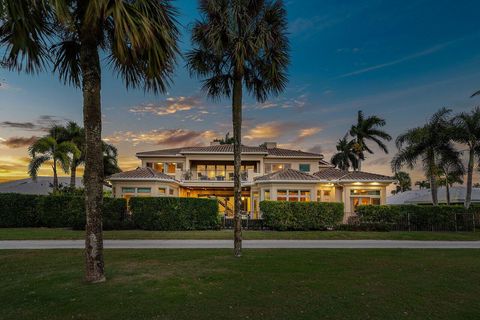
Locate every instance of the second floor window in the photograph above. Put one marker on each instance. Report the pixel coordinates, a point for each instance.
(273, 167)
(304, 167)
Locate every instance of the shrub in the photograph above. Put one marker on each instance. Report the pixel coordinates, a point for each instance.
(283, 215)
(60, 211)
(416, 216)
(115, 216)
(18, 210)
(172, 213)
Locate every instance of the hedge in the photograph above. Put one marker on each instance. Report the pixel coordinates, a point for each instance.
(417, 216)
(173, 213)
(55, 211)
(283, 215)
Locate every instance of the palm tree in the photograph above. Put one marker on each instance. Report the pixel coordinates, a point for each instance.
(467, 131)
(74, 133)
(48, 149)
(429, 143)
(137, 37)
(423, 184)
(475, 94)
(451, 171)
(403, 182)
(346, 156)
(368, 129)
(240, 44)
(110, 162)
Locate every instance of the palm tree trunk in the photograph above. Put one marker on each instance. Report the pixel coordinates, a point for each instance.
(55, 176)
(434, 189)
(93, 177)
(237, 162)
(447, 190)
(468, 196)
(73, 175)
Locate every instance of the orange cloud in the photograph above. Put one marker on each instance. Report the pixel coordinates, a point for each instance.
(169, 137)
(308, 132)
(171, 105)
(267, 130)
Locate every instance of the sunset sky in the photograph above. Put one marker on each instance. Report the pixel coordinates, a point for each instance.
(400, 60)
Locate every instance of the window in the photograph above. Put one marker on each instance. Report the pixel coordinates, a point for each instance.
(149, 164)
(272, 167)
(364, 197)
(128, 190)
(171, 167)
(364, 192)
(162, 190)
(144, 190)
(293, 195)
(266, 194)
(304, 167)
(158, 167)
(170, 191)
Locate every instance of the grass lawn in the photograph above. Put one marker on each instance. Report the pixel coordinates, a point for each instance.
(45, 233)
(263, 284)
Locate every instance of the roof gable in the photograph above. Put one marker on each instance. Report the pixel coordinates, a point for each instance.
(287, 175)
(141, 174)
(331, 174)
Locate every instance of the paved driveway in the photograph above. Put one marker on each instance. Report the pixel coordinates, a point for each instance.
(250, 244)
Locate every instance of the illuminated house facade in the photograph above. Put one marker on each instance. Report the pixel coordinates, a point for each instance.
(268, 173)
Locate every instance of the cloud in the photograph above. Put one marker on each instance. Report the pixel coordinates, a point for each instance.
(167, 137)
(18, 142)
(269, 130)
(308, 132)
(170, 106)
(297, 102)
(42, 123)
(426, 52)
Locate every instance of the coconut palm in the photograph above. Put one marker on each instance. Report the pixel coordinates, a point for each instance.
(110, 162)
(475, 94)
(403, 181)
(346, 156)
(423, 184)
(240, 44)
(74, 133)
(48, 150)
(368, 129)
(467, 131)
(138, 38)
(451, 171)
(430, 143)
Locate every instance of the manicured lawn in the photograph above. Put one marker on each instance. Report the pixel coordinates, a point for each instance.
(263, 284)
(45, 233)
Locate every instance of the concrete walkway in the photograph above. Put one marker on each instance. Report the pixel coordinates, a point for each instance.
(250, 244)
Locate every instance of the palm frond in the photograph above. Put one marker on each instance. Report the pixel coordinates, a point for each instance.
(35, 164)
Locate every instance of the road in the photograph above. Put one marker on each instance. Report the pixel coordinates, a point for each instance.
(248, 244)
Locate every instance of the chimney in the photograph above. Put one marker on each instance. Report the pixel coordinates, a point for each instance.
(270, 145)
(215, 143)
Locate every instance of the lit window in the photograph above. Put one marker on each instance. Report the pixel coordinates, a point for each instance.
(304, 167)
(267, 194)
(171, 167)
(158, 167)
(293, 195)
(162, 190)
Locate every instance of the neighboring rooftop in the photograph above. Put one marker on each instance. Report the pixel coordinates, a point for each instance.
(228, 148)
(334, 174)
(141, 174)
(287, 175)
(42, 186)
(424, 196)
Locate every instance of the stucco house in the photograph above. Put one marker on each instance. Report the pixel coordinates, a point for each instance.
(268, 173)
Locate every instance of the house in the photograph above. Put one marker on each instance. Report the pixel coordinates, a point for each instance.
(268, 173)
(424, 196)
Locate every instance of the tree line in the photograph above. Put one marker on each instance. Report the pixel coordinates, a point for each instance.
(434, 146)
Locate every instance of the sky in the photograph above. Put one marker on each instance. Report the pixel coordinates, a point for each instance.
(399, 60)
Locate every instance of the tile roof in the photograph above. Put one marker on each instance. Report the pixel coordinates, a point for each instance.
(331, 174)
(228, 148)
(287, 175)
(141, 174)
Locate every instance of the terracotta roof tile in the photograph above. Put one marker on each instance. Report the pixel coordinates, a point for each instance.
(279, 152)
(287, 175)
(141, 173)
(331, 174)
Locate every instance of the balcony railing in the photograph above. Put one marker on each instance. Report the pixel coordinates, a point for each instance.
(208, 176)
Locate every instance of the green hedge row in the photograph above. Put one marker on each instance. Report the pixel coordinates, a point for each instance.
(22, 211)
(172, 213)
(421, 217)
(283, 215)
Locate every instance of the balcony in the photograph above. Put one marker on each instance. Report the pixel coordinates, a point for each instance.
(214, 176)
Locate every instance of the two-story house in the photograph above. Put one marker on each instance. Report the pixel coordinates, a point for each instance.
(268, 173)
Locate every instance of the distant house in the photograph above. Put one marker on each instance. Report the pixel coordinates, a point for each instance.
(41, 186)
(268, 173)
(424, 196)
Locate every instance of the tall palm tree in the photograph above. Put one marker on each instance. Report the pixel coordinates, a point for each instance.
(467, 131)
(346, 156)
(110, 161)
(137, 37)
(74, 133)
(451, 170)
(240, 44)
(48, 149)
(368, 129)
(429, 143)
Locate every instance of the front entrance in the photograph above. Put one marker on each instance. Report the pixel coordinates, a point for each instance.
(224, 197)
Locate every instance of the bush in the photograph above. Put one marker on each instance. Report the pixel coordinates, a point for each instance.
(58, 211)
(18, 210)
(172, 213)
(283, 215)
(415, 216)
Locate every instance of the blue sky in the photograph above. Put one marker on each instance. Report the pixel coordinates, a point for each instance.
(395, 59)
